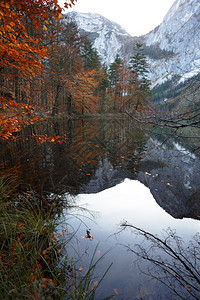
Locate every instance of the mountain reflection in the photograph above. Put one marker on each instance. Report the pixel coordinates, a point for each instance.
(175, 184)
(99, 154)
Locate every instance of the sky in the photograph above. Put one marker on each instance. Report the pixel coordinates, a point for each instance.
(137, 17)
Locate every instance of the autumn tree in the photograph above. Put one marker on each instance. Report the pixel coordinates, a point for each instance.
(23, 27)
(63, 63)
(23, 35)
(82, 89)
(73, 72)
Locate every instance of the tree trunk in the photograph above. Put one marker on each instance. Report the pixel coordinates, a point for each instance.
(56, 103)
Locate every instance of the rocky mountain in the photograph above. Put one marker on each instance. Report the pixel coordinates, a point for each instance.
(107, 37)
(172, 48)
(179, 33)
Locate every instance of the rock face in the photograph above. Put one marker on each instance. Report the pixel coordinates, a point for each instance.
(178, 36)
(107, 37)
(179, 33)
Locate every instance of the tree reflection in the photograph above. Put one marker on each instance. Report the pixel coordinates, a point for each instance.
(172, 263)
(70, 166)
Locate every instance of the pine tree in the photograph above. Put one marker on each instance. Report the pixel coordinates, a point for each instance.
(113, 72)
(90, 56)
(114, 78)
(139, 83)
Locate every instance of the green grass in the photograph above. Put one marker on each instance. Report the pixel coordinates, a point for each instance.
(85, 286)
(31, 262)
(28, 248)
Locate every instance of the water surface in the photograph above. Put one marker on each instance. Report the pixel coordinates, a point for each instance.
(120, 171)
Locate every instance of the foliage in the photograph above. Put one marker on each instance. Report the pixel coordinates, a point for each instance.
(21, 115)
(23, 28)
(113, 71)
(90, 56)
(114, 79)
(29, 251)
(139, 84)
(168, 90)
(155, 52)
(23, 48)
(48, 67)
(31, 262)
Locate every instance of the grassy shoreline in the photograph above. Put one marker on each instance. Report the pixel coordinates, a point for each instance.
(29, 249)
(31, 262)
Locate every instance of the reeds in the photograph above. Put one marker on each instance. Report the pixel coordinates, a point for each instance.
(32, 265)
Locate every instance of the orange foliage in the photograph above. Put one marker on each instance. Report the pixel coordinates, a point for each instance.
(82, 89)
(22, 31)
(23, 34)
(19, 115)
(45, 138)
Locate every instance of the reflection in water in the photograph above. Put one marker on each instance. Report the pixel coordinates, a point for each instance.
(128, 201)
(172, 263)
(51, 167)
(175, 184)
(128, 173)
(99, 154)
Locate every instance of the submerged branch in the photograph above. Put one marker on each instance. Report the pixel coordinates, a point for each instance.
(180, 267)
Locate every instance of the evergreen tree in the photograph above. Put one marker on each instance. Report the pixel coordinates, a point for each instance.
(113, 71)
(114, 78)
(139, 83)
(90, 56)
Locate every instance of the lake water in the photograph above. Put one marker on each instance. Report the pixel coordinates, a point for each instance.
(119, 172)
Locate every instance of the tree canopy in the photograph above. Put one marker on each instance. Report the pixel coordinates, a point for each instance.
(48, 67)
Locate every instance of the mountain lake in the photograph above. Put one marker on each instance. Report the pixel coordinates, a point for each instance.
(133, 202)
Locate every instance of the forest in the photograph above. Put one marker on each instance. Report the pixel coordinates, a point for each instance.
(48, 68)
(71, 126)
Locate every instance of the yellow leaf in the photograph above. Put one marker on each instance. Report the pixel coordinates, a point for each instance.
(44, 27)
